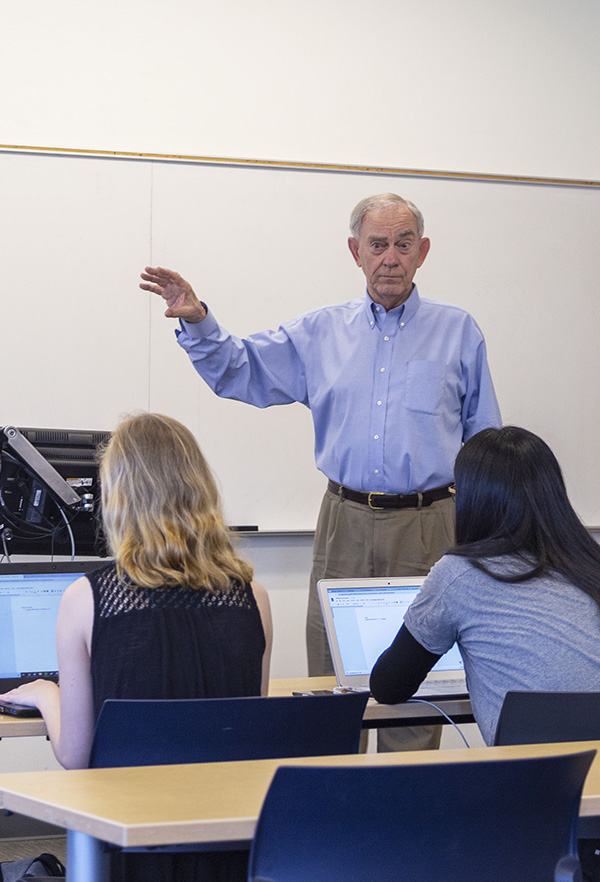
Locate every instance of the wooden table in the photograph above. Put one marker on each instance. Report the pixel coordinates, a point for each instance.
(376, 715)
(208, 804)
(11, 727)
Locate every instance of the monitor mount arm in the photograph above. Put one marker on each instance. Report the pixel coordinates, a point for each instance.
(41, 468)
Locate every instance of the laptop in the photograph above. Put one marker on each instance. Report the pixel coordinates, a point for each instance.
(30, 594)
(362, 618)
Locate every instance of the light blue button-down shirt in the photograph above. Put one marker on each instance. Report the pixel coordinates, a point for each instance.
(392, 395)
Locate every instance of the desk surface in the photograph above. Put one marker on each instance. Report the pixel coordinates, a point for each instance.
(15, 726)
(376, 715)
(210, 802)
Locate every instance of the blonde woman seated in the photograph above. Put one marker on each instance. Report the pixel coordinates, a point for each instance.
(176, 614)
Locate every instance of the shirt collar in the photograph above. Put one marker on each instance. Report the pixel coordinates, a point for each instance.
(405, 311)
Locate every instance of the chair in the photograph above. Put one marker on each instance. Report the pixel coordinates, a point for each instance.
(199, 730)
(161, 732)
(486, 821)
(540, 717)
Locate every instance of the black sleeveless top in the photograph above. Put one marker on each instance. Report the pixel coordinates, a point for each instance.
(173, 642)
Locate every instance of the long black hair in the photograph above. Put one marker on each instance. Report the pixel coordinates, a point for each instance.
(511, 499)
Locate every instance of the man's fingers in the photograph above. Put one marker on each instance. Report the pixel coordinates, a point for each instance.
(155, 289)
(160, 273)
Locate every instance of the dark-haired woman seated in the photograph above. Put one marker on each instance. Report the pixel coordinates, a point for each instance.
(519, 592)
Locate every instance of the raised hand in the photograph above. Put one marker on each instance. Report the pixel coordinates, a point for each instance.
(176, 292)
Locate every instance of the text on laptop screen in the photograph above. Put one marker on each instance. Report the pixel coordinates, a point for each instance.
(367, 621)
(28, 610)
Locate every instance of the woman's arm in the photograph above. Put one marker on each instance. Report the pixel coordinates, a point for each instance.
(264, 608)
(73, 738)
(400, 670)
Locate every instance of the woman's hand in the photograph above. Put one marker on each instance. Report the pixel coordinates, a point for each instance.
(34, 694)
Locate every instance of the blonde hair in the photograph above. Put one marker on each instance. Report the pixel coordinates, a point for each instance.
(161, 508)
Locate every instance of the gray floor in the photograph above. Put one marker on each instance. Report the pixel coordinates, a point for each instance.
(29, 846)
(22, 837)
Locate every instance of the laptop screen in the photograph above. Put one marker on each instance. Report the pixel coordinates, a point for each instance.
(30, 595)
(363, 618)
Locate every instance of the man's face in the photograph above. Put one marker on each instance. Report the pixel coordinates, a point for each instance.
(389, 252)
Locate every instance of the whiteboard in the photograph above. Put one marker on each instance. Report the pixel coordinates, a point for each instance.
(82, 344)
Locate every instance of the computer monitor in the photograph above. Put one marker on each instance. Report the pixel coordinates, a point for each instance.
(34, 518)
(30, 594)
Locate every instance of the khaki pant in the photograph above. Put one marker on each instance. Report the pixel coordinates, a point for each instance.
(353, 541)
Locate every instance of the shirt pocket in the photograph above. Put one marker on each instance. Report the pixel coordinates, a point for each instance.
(425, 385)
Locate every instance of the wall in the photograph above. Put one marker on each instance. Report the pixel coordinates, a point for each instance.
(457, 85)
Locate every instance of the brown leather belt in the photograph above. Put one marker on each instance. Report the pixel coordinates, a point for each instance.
(384, 501)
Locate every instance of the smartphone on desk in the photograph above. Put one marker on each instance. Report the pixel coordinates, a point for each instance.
(18, 710)
(315, 692)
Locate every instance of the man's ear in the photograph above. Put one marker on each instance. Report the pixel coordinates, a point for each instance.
(424, 246)
(353, 246)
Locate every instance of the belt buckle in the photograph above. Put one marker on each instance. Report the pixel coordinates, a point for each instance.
(375, 507)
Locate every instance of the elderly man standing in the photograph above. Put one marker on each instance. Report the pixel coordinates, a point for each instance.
(395, 384)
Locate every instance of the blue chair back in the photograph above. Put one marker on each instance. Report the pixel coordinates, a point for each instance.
(539, 717)
(200, 730)
(486, 821)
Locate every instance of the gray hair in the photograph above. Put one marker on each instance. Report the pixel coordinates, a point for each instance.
(380, 201)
